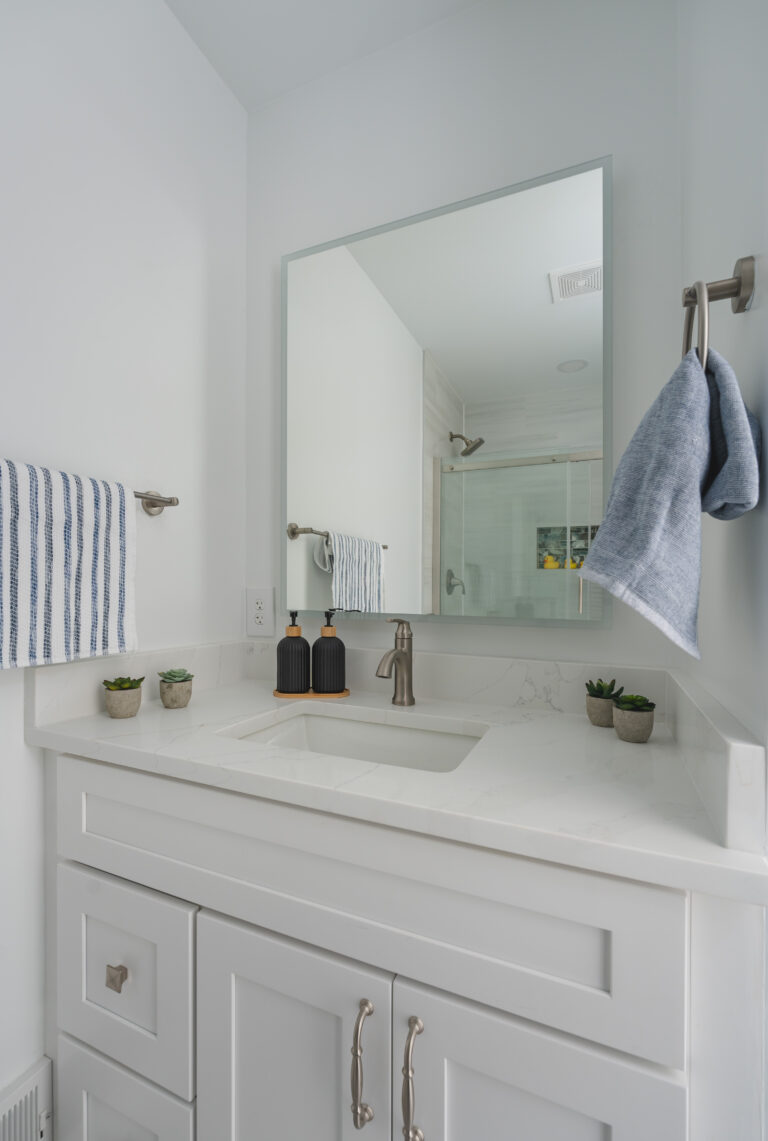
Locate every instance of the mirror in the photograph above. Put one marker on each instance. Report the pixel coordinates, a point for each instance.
(445, 397)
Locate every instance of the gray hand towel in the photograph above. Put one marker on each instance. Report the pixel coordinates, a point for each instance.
(697, 448)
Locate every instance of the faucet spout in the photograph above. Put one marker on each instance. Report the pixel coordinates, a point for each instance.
(387, 663)
(400, 662)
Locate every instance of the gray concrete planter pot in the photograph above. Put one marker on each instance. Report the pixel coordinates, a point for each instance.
(600, 711)
(123, 702)
(175, 694)
(633, 725)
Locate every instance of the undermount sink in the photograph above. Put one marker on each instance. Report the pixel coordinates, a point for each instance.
(407, 740)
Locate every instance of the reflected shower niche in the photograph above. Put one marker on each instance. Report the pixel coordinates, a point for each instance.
(446, 396)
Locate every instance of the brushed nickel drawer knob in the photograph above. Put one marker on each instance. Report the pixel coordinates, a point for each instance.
(116, 976)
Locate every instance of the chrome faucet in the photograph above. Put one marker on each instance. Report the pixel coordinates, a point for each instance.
(401, 661)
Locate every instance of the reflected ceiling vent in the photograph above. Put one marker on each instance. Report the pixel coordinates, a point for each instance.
(576, 280)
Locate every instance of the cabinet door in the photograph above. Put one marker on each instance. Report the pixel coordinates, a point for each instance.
(277, 1021)
(478, 1074)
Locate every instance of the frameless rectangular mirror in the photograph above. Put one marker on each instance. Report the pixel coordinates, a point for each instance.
(446, 395)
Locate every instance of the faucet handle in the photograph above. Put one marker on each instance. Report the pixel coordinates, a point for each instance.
(404, 627)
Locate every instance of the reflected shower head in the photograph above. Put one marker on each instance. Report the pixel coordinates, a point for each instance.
(472, 445)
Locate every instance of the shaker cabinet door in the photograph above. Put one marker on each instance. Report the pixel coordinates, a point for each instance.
(470, 1072)
(277, 1024)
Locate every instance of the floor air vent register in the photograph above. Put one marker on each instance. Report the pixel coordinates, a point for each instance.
(26, 1107)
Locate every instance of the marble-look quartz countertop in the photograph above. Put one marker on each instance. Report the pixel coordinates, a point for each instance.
(539, 783)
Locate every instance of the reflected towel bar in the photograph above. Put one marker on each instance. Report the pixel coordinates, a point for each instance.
(740, 288)
(154, 503)
(293, 531)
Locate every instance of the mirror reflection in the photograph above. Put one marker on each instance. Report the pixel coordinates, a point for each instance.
(444, 394)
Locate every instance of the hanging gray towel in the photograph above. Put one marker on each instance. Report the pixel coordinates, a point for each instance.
(697, 448)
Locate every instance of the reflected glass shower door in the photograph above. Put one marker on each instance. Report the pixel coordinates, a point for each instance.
(513, 534)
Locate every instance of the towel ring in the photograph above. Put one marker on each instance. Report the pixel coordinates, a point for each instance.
(702, 308)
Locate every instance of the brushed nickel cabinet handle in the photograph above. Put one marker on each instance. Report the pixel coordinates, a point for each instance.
(581, 595)
(361, 1113)
(411, 1132)
(116, 976)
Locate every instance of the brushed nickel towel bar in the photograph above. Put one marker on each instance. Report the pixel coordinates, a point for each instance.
(154, 503)
(293, 531)
(740, 288)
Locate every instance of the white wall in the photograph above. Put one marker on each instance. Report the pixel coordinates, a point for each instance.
(500, 93)
(724, 149)
(352, 362)
(122, 355)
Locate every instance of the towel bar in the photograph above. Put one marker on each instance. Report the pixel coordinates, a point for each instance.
(293, 531)
(154, 503)
(740, 288)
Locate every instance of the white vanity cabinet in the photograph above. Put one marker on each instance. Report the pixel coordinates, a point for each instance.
(556, 1003)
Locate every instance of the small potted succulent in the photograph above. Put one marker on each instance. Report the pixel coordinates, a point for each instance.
(123, 696)
(633, 717)
(600, 698)
(175, 688)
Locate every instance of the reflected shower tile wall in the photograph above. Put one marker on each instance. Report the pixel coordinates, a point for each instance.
(565, 415)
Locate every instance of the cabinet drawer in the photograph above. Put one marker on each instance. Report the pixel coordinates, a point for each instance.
(125, 974)
(97, 1100)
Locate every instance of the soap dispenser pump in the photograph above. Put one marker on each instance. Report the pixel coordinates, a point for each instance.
(293, 660)
(328, 660)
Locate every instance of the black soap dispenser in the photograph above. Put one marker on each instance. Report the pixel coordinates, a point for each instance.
(328, 660)
(293, 660)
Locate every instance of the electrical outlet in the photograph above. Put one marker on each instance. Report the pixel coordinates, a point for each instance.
(260, 611)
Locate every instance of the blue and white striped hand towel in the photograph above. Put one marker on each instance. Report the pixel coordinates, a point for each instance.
(67, 558)
(357, 566)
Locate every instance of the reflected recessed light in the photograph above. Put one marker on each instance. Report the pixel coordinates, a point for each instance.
(572, 366)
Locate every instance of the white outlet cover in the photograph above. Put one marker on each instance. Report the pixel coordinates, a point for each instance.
(260, 611)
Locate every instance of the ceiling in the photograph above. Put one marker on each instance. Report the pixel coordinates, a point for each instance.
(263, 50)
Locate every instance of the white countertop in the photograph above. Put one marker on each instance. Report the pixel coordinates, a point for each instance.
(542, 784)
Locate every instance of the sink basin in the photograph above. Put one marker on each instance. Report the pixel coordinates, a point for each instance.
(434, 744)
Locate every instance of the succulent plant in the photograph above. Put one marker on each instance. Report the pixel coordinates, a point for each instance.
(175, 675)
(602, 688)
(634, 703)
(123, 683)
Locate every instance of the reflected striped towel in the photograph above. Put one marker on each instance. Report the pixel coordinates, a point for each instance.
(67, 557)
(357, 566)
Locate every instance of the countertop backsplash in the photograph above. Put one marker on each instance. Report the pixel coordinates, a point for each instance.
(63, 692)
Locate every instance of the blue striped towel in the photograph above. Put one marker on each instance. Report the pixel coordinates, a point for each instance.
(67, 557)
(357, 566)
